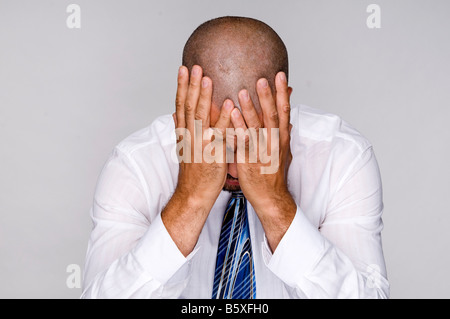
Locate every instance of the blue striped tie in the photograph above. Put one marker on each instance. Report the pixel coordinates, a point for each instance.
(235, 275)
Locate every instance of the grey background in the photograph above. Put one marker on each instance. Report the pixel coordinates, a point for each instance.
(68, 96)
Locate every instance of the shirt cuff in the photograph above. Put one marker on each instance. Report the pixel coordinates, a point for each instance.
(158, 254)
(298, 251)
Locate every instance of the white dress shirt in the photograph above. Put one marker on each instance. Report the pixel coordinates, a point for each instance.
(332, 248)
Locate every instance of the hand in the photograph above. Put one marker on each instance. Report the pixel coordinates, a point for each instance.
(268, 193)
(199, 179)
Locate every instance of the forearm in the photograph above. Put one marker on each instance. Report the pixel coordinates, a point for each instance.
(184, 217)
(276, 213)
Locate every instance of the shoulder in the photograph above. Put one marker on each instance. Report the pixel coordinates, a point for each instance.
(147, 159)
(157, 135)
(317, 126)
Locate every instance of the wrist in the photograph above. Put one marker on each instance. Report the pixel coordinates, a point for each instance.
(193, 199)
(275, 204)
(276, 216)
(184, 217)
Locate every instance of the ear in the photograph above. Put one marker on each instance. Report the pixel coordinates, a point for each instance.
(290, 91)
(174, 116)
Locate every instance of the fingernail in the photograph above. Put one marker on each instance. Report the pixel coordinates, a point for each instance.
(244, 95)
(181, 71)
(264, 83)
(235, 113)
(282, 77)
(205, 83)
(195, 70)
(228, 105)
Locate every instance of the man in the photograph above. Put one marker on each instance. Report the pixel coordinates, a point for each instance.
(222, 229)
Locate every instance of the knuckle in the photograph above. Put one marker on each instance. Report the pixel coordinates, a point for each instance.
(286, 108)
(189, 107)
(179, 102)
(224, 116)
(266, 92)
(273, 115)
(182, 81)
(200, 115)
(205, 96)
(218, 131)
(194, 84)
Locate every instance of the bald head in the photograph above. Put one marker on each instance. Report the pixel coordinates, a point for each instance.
(235, 52)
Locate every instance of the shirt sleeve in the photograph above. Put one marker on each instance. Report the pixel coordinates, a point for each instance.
(343, 258)
(129, 255)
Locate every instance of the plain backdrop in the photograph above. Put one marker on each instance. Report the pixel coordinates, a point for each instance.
(68, 96)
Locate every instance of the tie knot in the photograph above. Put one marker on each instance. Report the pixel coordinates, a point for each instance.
(237, 194)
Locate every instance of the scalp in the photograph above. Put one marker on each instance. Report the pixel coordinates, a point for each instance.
(235, 52)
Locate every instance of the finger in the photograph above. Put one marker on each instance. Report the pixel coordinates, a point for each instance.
(204, 103)
(240, 132)
(239, 123)
(268, 106)
(237, 119)
(193, 94)
(283, 104)
(225, 116)
(222, 124)
(248, 110)
(182, 89)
